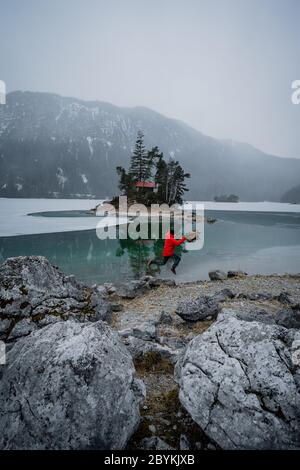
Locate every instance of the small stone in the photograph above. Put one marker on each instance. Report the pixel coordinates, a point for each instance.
(217, 275)
(284, 298)
(165, 317)
(232, 274)
(152, 428)
(145, 331)
(116, 307)
(211, 446)
(4, 326)
(154, 443)
(199, 309)
(223, 295)
(184, 443)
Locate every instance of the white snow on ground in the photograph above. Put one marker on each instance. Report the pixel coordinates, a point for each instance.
(15, 221)
(249, 206)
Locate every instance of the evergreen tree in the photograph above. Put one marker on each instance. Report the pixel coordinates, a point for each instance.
(175, 185)
(169, 177)
(140, 169)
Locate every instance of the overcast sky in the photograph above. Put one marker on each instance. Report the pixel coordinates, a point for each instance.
(223, 66)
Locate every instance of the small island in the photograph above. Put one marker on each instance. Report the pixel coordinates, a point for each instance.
(226, 198)
(151, 179)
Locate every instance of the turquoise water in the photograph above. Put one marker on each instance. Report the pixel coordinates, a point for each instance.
(252, 241)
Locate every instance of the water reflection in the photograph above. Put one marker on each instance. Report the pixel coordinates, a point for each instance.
(253, 242)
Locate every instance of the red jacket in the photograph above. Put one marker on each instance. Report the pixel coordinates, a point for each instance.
(171, 243)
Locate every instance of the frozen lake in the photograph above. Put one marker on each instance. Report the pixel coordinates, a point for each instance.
(15, 221)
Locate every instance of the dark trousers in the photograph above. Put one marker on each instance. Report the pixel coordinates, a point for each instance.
(161, 262)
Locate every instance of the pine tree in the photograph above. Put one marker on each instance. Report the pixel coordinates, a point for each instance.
(139, 167)
(169, 177)
(175, 185)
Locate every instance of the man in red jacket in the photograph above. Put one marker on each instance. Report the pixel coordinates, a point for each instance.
(169, 251)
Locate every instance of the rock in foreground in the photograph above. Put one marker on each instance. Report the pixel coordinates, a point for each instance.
(69, 386)
(240, 385)
(34, 293)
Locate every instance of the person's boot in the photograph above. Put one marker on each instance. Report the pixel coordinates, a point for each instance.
(149, 262)
(173, 269)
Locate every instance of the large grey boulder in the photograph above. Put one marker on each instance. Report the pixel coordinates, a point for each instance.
(199, 309)
(69, 385)
(32, 289)
(239, 381)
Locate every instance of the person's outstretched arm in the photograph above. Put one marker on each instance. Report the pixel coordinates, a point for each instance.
(178, 242)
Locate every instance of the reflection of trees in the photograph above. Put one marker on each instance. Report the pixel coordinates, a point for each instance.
(138, 253)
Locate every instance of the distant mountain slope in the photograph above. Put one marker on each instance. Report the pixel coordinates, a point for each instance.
(292, 196)
(51, 146)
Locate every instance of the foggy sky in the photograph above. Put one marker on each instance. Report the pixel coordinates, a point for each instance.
(223, 66)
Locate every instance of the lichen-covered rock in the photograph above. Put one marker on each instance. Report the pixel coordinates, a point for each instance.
(69, 385)
(199, 309)
(31, 289)
(240, 384)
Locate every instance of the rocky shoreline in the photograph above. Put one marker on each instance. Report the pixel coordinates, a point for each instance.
(148, 364)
